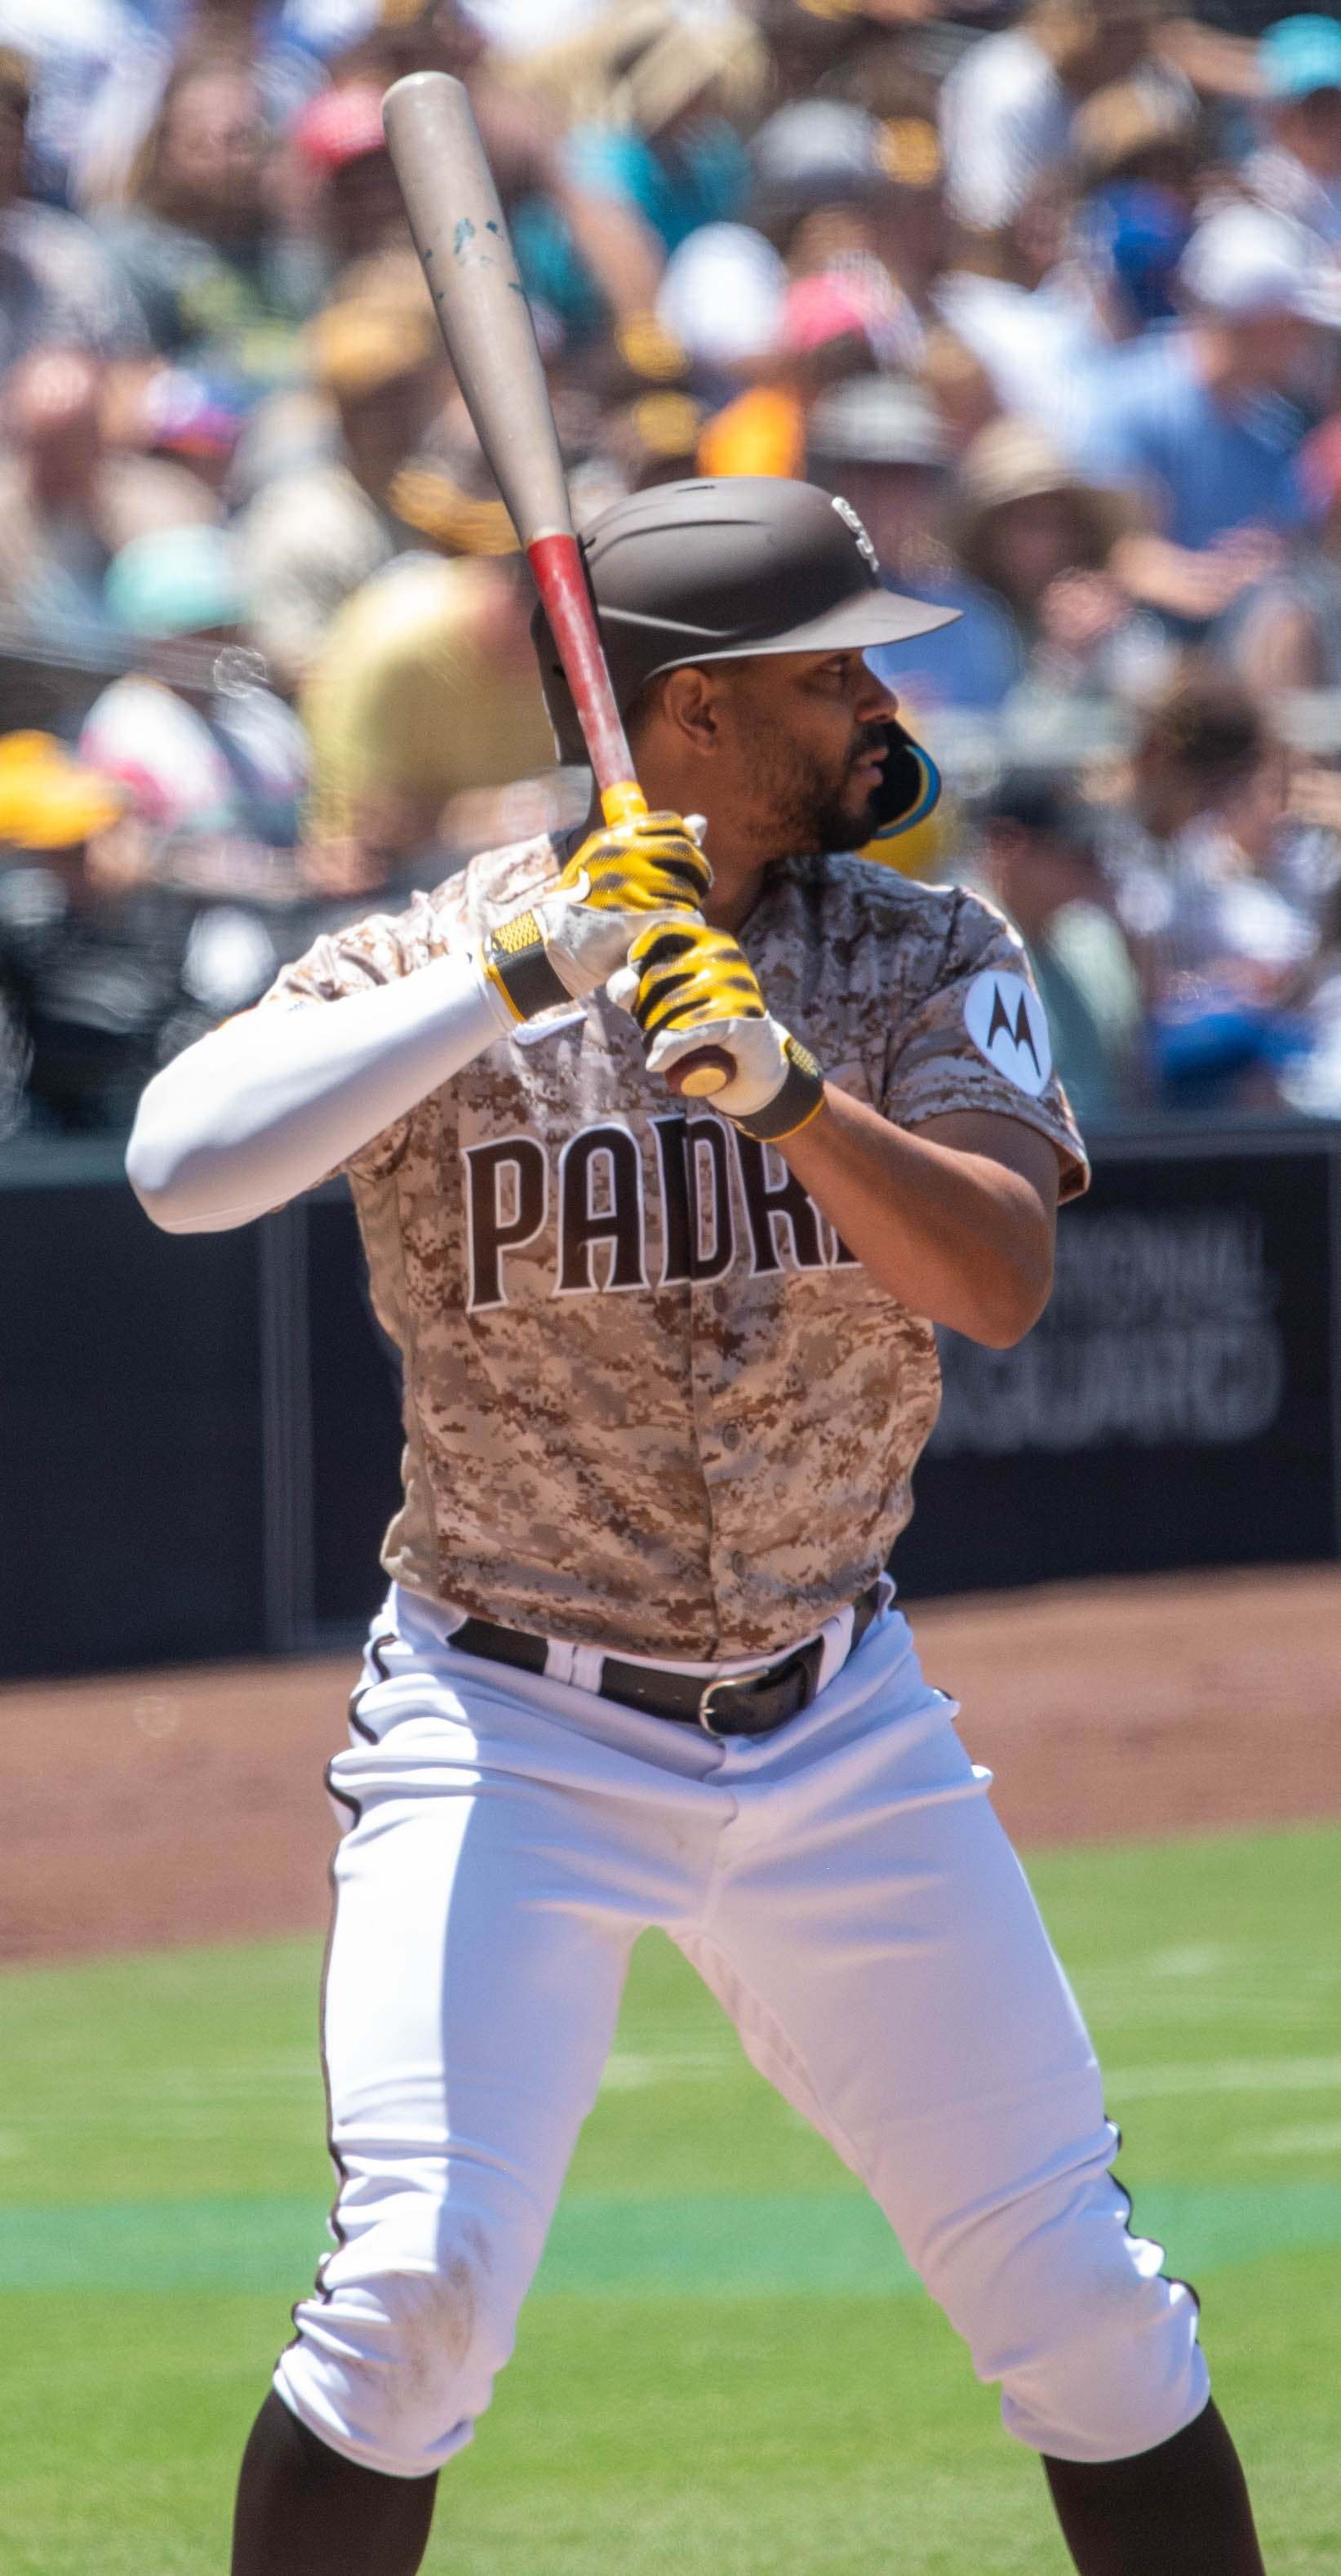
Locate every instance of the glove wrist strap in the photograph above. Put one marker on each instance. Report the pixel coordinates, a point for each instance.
(517, 963)
(800, 1099)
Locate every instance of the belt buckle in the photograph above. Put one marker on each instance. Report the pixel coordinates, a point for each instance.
(810, 1657)
(705, 1710)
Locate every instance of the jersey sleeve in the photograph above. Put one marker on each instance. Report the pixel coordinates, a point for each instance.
(378, 950)
(977, 1039)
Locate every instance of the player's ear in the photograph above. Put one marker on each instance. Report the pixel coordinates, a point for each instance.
(691, 707)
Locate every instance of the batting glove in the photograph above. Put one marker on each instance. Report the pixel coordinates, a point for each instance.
(569, 943)
(689, 987)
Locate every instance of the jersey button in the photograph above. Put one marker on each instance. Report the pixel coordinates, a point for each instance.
(730, 1435)
(737, 1561)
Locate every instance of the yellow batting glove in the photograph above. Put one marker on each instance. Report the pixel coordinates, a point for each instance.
(689, 987)
(570, 942)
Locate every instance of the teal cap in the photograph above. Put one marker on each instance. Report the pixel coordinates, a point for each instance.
(176, 581)
(1298, 56)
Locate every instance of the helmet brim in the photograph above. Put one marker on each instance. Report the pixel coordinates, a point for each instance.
(869, 617)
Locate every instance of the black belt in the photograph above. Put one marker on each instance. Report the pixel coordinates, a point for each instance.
(754, 1705)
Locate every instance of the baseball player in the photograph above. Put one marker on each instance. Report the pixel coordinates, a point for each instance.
(668, 1365)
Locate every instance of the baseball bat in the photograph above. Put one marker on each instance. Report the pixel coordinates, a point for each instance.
(466, 253)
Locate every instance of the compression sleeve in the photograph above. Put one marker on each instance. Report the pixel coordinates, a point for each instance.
(273, 1101)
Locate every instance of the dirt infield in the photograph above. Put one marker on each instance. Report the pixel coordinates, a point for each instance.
(149, 1810)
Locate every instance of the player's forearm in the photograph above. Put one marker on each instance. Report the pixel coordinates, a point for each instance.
(266, 1106)
(954, 1235)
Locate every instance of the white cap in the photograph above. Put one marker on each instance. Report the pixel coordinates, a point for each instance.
(721, 295)
(1245, 263)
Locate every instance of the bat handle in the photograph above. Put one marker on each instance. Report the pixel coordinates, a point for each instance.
(709, 1068)
(554, 559)
(623, 801)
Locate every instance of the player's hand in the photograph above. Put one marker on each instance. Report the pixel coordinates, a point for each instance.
(571, 941)
(689, 987)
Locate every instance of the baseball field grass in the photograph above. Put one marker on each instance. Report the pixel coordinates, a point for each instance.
(726, 2365)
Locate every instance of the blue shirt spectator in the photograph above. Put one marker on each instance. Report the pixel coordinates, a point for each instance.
(1209, 461)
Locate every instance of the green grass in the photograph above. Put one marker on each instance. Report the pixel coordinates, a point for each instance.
(725, 2367)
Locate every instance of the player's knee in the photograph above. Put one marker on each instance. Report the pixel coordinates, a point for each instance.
(1095, 2351)
(1123, 2373)
(392, 2367)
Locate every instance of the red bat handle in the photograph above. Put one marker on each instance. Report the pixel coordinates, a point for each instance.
(557, 564)
(556, 561)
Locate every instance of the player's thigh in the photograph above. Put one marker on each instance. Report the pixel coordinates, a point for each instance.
(887, 1967)
(472, 1984)
(473, 1979)
(885, 1962)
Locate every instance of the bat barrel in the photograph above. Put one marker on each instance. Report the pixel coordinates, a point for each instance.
(467, 257)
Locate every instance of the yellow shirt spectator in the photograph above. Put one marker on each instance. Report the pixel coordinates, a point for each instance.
(426, 685)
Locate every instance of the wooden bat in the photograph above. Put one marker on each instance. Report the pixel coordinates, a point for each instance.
(485, 320)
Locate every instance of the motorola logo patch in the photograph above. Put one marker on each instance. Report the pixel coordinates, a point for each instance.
(1006, 1021)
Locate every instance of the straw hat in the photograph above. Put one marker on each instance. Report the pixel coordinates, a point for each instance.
(685, 59)
(362, 343)
(1012, 460)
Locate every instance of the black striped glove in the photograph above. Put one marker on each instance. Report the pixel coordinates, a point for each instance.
(691, 988)
(571, 940)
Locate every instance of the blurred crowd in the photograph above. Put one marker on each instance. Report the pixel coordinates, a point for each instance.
(1051, 293)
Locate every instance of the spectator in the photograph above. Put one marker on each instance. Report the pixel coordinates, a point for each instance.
(103, 972)
(312, 536)
(284, 45)
(1044, 301)
(593, 237)
(1006, 109)
(841, 195)
(1297, 171)
(426, 686)
(67, 503)
(191, 420)
(1287, 634)
(56, 282)
(72, 53)
(1139, 134)
(1140, 159)
(1038, 861)
(358, 209)
(1201, 892)
(1041, 539)
(1310, 1078)
(653, 439)
(965, 397)
(880, 443)
(589, 261)
(196, 243)
(672, 160)
(233, 767)
(1200, 422)
(827, 335)
(1027, 310)
(828, 205)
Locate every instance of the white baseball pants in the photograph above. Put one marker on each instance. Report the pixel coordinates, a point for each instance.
(844, 1889)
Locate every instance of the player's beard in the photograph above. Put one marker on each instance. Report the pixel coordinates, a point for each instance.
(809, 811)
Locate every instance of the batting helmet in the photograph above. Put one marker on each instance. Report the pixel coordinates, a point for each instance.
(718, 570)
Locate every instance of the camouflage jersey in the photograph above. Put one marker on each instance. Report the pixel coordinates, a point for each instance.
(651, 1400)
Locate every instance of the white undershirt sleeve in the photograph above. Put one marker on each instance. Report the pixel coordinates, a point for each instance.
(273, 1101)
